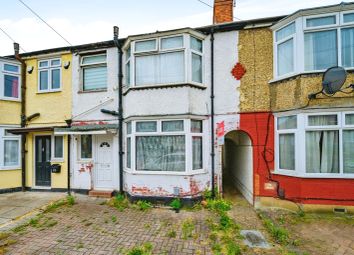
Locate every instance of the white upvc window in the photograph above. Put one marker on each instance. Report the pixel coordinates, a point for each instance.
(10, 81)
(58, 148)
(165, 146)
(9, 150)
(49, 75)
(94, 72)
(321, 146)
(174, 59)
(315, 43)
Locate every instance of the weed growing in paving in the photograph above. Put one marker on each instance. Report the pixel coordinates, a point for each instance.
(145, 249)
(114, 219)
(279, 233)
(120, 202)
(143, 205)
(188, 227)
(176, 204)
(70, 200)
(171, 233)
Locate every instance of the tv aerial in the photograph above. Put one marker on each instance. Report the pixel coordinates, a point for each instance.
(332, 82)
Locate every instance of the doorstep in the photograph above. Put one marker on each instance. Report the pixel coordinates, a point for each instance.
(101, 193)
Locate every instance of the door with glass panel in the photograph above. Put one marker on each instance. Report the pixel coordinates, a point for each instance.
(42, 161)
(103, 171)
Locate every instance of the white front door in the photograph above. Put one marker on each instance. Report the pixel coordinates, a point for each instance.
(103, 171)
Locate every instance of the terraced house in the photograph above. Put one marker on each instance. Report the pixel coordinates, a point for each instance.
(234, 105)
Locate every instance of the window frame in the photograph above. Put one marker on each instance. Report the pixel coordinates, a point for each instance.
(300, 144)
(49, 68)
(92, 65)
(54, 158)
(4, 138)
(186, 49)
(80, 149)
(13, 74)
(188, 146)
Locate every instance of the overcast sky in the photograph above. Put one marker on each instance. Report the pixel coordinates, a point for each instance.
(85, 21)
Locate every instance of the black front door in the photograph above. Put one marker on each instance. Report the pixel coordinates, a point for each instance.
(43, 171)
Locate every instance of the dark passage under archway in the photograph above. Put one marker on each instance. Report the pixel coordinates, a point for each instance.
(238, 165)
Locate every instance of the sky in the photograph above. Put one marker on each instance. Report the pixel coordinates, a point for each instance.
(87, 21)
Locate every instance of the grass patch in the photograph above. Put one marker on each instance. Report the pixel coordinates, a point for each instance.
(120, 202)
(279, 234)
(218, 205)
(176, 204)
(70, 200)
(143, 205)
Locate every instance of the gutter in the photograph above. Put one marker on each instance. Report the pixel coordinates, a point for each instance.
(23, 113)
(212, 96)
(120, 106)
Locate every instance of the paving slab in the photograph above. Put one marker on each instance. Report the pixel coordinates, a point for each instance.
(18, 204)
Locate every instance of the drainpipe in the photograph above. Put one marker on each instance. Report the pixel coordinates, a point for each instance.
(23, 113)
(212, 114)
(120, 106)
(68, 122)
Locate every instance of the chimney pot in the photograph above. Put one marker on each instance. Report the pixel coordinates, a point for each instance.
(223, 11)
(16, 48)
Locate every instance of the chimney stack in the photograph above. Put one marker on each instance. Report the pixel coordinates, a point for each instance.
(223, 11)
(16, 49)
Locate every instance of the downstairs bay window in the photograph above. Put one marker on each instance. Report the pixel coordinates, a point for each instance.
(164, 146)
(9, 149)
(316, 145)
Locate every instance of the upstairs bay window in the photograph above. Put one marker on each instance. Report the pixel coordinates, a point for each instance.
(49, 75)
(10, 81)
(94, 72)
(314, 43)
(176, 59)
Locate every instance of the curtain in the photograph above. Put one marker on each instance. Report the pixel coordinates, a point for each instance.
(197, 68)
(320, 50)
(146, 126)
(285, 32)
(86, 146)
(322, 151)
(160, 153)
(129, 160)
(145, 45)
(159, 69)
(11, 86)
(55, 78)
(322, 21)
(287, 151)
(287, 122)
(348, 47)
(348, 151)
(172, 126)
(197, 151)
(285, 55)
(172, 42)
(95, 77)
(11, 155)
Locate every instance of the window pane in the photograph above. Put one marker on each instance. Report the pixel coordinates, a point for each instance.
(129, 128)
(348, 47)
(93, 59)
(196, 44)
(43, 80)
(197, 151)
(11, 86)
(285, 57)
(43, 63)
(145, 45)
(172, 42)
(55, 62)
(288, 122)
(160, 153)
(322, 120)
(322, 21)
(127, 73)
(127, 54)
(285, 32)
(129, 160)
(349, 119)
(56, 79)
(11, 68)
(348, 151)
(146, 126)
(349, 17)
(95, 78)
(197, 68)
(58, 147)
(86, 146)
(159, 69)
(287, 151)
(11, 155)
(322, 151)
(171, 126)
(320, 50)
(196, 126)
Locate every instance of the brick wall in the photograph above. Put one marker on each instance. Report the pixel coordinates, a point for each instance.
(223, 11)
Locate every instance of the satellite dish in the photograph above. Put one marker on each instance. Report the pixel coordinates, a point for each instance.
(333, 80)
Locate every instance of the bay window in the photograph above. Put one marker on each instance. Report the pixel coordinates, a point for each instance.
(316, 145)
(49, 75)
(175, 59)
(94, 72)
(314, 44)
(164, 145)
(10, 81)
(9, 149)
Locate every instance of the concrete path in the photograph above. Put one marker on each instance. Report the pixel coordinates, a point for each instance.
(14, 206)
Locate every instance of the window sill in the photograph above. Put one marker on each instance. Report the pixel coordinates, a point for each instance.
(314, 175)
(12, 168)
(57, 160)
(191, 85)
(10, 99)
(91, 91)
(48, 91)
(187, 173)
